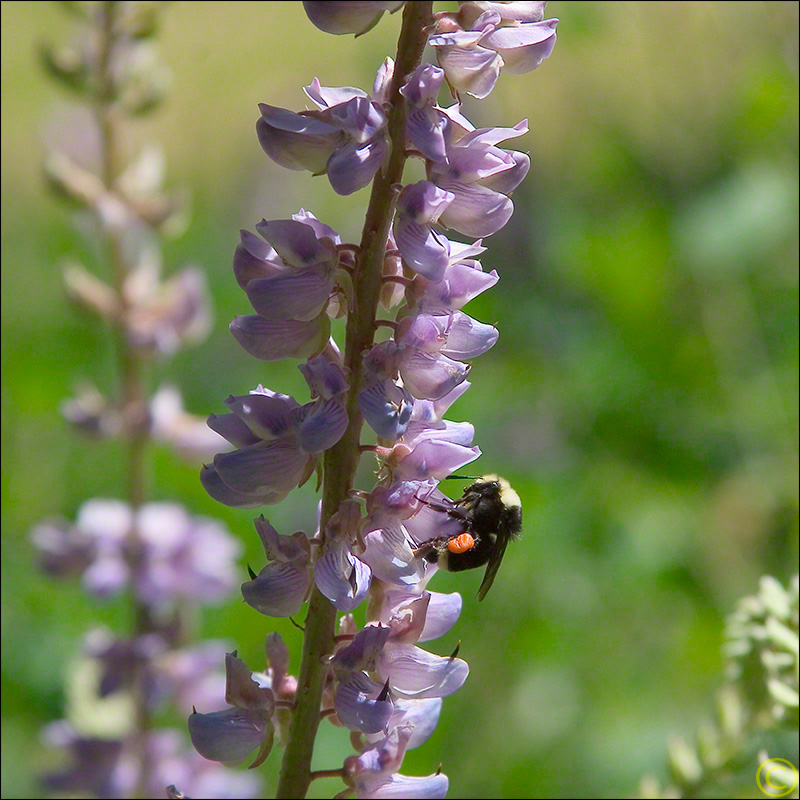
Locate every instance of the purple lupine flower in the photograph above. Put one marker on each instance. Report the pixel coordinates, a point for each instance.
(479, 40)
(345, 138)
(277, 439)
(181, 556)
(424, 250)
(386, 406)
(230, 735)
(339, 575)
(479, 175)
(373, 773)
(281, 587)
(427, 127)
(348, 16)
(108, 767)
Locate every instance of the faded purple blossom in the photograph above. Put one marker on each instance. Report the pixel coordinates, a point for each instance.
(231, 734)
(482, 38)
(109, 767)
(345, 138)
(180, 556)
(276, 439)
(281, 587)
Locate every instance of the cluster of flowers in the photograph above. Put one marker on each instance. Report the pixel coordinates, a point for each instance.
(379, 684)
(165, 560)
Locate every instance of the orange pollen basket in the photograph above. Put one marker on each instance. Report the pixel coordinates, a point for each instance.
(461, 543)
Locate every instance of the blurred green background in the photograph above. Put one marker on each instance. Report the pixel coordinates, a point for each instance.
(642, 397)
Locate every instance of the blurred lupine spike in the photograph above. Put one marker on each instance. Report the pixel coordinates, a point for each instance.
(168, 559)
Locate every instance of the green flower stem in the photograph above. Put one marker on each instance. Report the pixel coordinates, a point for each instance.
(341, 461)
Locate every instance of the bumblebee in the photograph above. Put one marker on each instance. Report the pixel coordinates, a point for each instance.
(492, 515)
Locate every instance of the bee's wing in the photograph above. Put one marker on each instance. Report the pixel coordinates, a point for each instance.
(494, 564)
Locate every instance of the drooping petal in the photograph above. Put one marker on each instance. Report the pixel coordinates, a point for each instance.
(443, 613)
(296, 141)
(430, 787)
(475, 210)
(468, 338)
(387, 408)
(224, 494)
(461, 283)
(228, 735)
(355, 16)
(352, 166)
(278, 590)
(254, 258)
(431, 376)
(266, 466)
(324, 378)
(272, 340)
(323, 424)
(293, 294)
(266, 416)
(422, 715)
(523, 47)
(328, 96)
(363, 652)
(342, 578)
(360, 704)
(472, 69)
(297, 243)
(414, 672)
(423, 249)
(435, 458)
(509, 179)
(389, 554)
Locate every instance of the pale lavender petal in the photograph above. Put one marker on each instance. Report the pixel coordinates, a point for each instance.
(273, 340)
(473, 70)
(322, 426)
(427, 332)
(434, 458)
(423, 202)
(266, 466)
(523, 47)
(294, 294)
(324, 378)
(422, 715)
(297, 243)
(106, 576)
(321, 230)
(430, 376)
(363, 652)
(240, 688)
(359, 117)
(490, 135)
(386, 408)
(422, 248)
(432, 787)
(476, 210)
(423, 86)
(414, 672)
(352, 166)
(254, 258)
(456, 432)
(383, 81)
(327, 96)
(228, 735)
(429, 131)
(342, 578)
(507, 181)
(468, 338)
(268, 417)
(443, 613)
(358, 704)
(224, 494)
(461, 283)
(388, 552)
(296, 141)
(469, 164)
(278, 590)
(434, 410)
